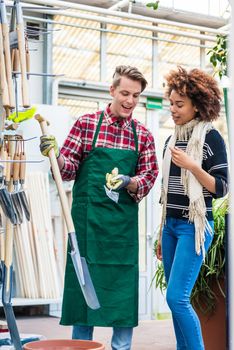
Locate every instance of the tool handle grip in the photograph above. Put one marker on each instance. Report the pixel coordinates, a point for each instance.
(3, 80)
(22, 58)
(57, 177)
(22, 167)
(6, 45)
(8, 171)
(16, 167)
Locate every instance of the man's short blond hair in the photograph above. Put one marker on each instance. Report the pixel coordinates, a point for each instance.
(131, 73)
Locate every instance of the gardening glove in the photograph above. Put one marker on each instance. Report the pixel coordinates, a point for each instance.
(24, 114)
(47, 143)
(120, 181)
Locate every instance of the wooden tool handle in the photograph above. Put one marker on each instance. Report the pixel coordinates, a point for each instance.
(22, 167)
(6, 45)
(57, 177)
(16, 167)
(15, 60)
(8, 170)
(3, 80)
(22, 57)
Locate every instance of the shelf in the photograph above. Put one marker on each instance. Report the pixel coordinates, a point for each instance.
(40, 301)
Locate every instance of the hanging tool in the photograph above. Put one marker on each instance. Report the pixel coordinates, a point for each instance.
(80, 264)
(3, 79)
(8, 270)
(15, 194)
(21, 193)
(6, 47)
(22, 52)
(5, 198)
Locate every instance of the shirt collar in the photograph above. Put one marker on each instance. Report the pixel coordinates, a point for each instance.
(112, 119)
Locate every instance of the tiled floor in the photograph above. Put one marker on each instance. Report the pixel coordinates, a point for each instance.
(149, 335)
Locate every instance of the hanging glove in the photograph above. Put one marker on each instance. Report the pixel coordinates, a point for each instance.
(24, 114)
(120, 181)
(47, 143)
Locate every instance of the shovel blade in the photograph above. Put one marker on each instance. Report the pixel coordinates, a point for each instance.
(7, 205)
(24, 204)
(82, 273)
(87, 288)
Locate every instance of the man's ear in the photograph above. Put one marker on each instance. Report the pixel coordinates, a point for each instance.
(112, 89)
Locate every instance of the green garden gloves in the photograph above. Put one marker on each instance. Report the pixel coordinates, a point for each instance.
(47, 143)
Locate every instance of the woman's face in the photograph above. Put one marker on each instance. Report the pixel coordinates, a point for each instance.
(181, 107)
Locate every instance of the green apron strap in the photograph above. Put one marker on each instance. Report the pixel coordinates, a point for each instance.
(97, 130)
(99, 126)
(135, 136)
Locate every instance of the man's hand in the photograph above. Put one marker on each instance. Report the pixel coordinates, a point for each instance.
(47, 143)
(120, 181)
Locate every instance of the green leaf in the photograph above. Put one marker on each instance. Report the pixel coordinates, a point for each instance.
(154, 5)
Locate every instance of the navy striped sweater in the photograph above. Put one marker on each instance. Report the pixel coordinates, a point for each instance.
(214, 162)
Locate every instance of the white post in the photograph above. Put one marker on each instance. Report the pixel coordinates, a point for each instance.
(230, 241)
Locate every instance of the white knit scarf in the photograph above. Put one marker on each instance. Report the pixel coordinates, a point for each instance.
(194, 132)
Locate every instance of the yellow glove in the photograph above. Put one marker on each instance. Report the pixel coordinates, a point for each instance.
(110, 176)
(20, 116)
(47, 143)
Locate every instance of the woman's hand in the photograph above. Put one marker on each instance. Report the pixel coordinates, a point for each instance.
(158, 250)
(181, 159)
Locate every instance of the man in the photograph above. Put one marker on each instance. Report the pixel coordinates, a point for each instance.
(107, 228)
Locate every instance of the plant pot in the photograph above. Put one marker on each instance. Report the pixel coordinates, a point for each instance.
(64, 344)
(214, 325)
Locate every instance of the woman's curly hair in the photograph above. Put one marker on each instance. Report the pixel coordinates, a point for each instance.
(200, 87)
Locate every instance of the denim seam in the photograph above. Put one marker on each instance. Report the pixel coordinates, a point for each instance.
(191, 313)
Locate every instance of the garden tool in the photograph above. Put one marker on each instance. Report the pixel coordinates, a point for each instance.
(5, 198)
(3, 78)
(15, 194)
(21, 193)
(80, 264)
(7, 288)
(6, 46)
(22, 52)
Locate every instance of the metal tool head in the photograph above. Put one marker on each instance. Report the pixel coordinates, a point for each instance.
(7, 205)
(17, 207)
(24, 203)
(83, 274)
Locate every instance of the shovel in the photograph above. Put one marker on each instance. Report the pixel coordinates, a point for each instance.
(80, 264)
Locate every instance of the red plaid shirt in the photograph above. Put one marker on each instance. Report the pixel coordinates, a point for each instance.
(113, 134)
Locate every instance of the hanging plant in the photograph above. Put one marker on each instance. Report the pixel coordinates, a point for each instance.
(218, 56)
(153, 5)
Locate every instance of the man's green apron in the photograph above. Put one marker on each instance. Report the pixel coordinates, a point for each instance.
(107, 235)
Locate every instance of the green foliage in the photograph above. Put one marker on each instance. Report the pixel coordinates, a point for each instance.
(218, 55)
(154, 5)
(213, 269)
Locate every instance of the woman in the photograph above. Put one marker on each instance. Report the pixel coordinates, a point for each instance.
(194, 172)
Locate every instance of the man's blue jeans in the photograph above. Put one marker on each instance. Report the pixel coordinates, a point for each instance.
(182, 266)
(121, 338)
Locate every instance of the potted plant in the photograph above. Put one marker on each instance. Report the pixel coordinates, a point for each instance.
(208, 295)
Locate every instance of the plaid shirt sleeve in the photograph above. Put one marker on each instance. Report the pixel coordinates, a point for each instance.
(72, 152)
(147, 169)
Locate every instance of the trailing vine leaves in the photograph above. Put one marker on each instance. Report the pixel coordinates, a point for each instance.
(153, 5)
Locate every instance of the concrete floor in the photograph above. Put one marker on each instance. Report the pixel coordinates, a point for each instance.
(149, 335)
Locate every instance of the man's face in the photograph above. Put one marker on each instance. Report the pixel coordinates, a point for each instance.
(125, 97)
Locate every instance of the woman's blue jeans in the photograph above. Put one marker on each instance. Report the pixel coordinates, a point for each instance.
(182, 266)
(121, 338)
